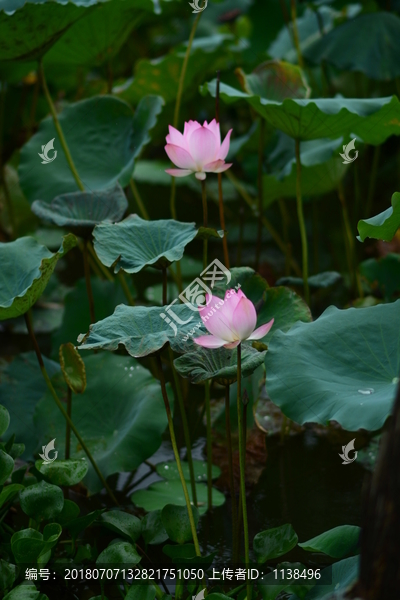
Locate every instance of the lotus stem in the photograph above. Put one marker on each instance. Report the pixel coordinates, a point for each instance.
(220, 194)
(300, 216)
(88, 282)
(178, 101)
(10, 208)
(58, 128)
(177, 458)
(205, 220)
(209, 445)
(296, 32)
(185, 425)
(372, 181)
(125, 288)
(285, 228)
(64, 413)
(235, 553)
(275, 235)
(350, 242)
(164, 286)
(68, 427)
(260, 192)
(242, 450)
(138, 199)
(106, 273)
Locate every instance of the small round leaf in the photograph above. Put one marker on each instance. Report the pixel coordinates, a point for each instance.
(274, 542)
(176, 522)
(122, 523)
(63, 472)
(42, 500)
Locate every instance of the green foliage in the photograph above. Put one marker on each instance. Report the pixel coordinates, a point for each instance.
(122, 523)
(158, 494)
(337, 542)
(169, 470)
(382, 226)
(176, 522)
(42, 500)
(273, 543)
(63, 472)
(73, 368)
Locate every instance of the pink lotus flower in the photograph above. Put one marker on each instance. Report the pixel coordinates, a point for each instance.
(198, 150)
(230, 321)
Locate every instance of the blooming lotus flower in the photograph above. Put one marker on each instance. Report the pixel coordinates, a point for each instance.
(230, 321)
(198, 150)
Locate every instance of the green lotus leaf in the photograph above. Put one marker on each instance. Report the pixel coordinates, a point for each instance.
(33, 27)
(278, 303)
(103, 147)
(177, 524)
(161, 75)
(376, 60)
(135, 243)
(4, 419)
(337, 542)
(273, 543)
(6, 466)
(382, 226)
(63, 472)
(343, 367)
(42, 500)
(219, 364)
(383, 273)
(169, 470)
(140, 592)
(121, 416)
(185, 554)
(320, 281)
(100, 34)
(160, 493)
(275, 80)
(83, 209)
(26, 268)
(122, 523)
(336, 580)
(371, 119)
(22, 386)
(119, 553)
(143, 330)
(321, 169)
(153, 530)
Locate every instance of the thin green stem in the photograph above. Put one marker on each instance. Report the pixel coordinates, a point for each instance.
(177, 458)
(242, 463)
(58, 128)
(68, 427)
(164, 286)
(295, 36)
(205, 220)
(235, 554)
(179, 99)
(106, 273)
(372, 180)
(185, 426)
(300, 216)
(220, 194)
(138, 199)
(350, 241)
(60, 406)
(260, 191)
(285, 232)
(88, 282)
(274, 234)
(209, 445)
(10, 208)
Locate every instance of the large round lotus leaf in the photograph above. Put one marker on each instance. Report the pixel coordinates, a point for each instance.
(343, 367)
(135, 243)
(122, 523)
(26, 268)
(337, 542)
(104, 137)
(382, 226)
(121, 415)
(378, 59)
(161, 75)
(63, 472)
(100, 34)
(83, 209)
(275, 80)
(219, 364)
(278, 303)
(371, 119)
(158, 494)
(143, 330)
(29, 29)
(42, 500)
